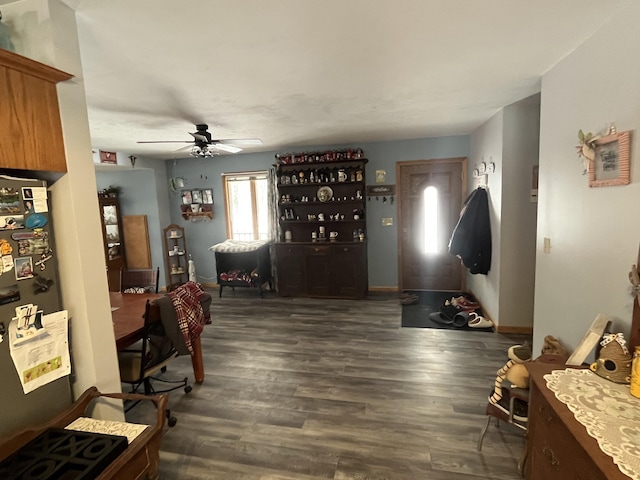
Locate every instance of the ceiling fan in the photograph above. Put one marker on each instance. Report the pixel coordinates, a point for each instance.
(205, 146)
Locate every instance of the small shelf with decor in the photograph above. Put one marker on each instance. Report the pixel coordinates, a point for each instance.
(176, 258)
(197, 204)
(206, 212)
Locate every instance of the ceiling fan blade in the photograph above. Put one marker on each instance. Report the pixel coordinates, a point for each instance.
(168, 141)
(199, 137)
(226, 148)
(240, 141)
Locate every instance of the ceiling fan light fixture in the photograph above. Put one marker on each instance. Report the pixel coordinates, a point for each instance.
(203, 151)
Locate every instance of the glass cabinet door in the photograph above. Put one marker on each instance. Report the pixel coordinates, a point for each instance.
(113, 240)
(112, 231)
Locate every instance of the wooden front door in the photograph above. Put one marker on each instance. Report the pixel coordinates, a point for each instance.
(427, 222)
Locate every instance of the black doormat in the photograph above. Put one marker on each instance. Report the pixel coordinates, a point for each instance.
(417, 315)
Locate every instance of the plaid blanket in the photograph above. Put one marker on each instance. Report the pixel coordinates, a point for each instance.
(191, 319)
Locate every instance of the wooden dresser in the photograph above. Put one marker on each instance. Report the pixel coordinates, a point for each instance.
(558, 446)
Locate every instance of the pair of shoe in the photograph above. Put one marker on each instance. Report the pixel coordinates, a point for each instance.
(409, 298)
(478, 321)
(444, 317)
(464, 303)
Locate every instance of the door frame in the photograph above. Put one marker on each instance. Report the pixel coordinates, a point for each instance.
(463, 189)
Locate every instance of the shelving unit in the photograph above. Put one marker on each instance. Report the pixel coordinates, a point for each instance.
(176, 258)
(321, 250)
(113, 241)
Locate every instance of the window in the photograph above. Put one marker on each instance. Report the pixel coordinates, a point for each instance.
(430, 205)
(247, 205)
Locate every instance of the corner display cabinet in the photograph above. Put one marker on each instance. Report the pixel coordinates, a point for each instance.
(322, 249)
(112, 239)
(175, 251)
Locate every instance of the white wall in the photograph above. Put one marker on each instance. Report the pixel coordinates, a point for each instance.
(594, 232)
(510, 141)
(518, 226)
(486, 146)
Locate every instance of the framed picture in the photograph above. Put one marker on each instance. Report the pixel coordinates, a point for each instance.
(23, 267)
(196, 196)
(207, 196)
(610, 165)
(186, 197)
(108, 157)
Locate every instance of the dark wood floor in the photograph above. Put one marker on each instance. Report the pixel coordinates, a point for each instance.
(302, 389)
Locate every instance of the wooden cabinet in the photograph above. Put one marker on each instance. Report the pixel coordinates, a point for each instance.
(113, 240)
(558, 446)
(322, 270)
(30, 125)
(176, 258)
(322, 229)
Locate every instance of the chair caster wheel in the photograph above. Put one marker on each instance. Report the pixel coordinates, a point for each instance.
(172, 421)
(187, 389)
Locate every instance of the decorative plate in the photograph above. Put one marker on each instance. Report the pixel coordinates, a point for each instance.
(324, 194)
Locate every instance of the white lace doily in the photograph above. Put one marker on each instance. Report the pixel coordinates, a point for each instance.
(607, 410)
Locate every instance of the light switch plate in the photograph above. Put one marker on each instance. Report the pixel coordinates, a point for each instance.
(387, 221)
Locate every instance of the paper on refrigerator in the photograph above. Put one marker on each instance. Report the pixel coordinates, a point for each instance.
(45, 357)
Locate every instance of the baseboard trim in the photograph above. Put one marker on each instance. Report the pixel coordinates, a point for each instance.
(514, 329)
(383, 289)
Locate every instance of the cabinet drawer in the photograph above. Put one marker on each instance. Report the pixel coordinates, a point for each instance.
(554, 453)
(318, 250)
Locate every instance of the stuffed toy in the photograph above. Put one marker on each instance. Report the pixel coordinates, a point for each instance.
(553, 346)
(513, 370)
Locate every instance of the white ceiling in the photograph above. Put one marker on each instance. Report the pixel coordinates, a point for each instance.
(315, 72)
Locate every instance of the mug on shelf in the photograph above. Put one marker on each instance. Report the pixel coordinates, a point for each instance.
(195, 207)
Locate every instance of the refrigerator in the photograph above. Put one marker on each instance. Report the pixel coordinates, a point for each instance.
(29, 275)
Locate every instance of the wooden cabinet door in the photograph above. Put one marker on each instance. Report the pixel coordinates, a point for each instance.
(348, 267)
(30, 125)
(319, 270)
(290, 270)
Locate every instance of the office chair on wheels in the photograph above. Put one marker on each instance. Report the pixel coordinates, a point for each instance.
(148, 357)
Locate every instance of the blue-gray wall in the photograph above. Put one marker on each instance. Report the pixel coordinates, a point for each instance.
(382, 241)
(144, 192)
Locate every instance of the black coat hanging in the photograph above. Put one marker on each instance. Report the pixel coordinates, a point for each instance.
(471, 239)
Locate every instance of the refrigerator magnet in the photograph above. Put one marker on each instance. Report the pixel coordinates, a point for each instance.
(46, 256)
(5, 247)
(24, 268)
(7, 263)
(36, 220)
(12, 222)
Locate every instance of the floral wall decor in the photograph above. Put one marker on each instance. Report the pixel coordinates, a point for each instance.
(605, 157)
(586, 149)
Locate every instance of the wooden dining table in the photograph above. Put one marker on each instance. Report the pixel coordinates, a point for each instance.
(127, 313)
